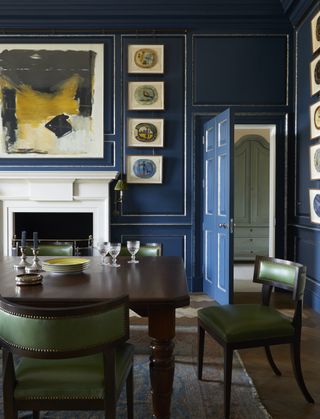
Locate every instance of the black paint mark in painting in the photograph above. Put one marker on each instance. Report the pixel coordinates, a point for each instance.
(9, 120)
(59, 125)
(45, 71)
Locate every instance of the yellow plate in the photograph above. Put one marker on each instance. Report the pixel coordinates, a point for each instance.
(66, 261)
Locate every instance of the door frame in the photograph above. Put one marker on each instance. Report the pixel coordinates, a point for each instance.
(272, 177)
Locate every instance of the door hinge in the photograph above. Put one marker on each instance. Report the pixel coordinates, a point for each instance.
(231, 225)
(203, 139)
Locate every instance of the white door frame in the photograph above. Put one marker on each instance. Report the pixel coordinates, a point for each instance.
(272, 177)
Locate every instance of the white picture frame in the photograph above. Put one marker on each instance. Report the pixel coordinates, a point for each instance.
(315, 120)
(315, 162)
(146, 58)
(315, 32)
(315, 75)
(145, 95)
(145, 132)
(150, 168)
(314, 197)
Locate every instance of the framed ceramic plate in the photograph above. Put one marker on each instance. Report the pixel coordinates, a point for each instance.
(315, 162)
(145, 132)
(315, 32)
(144, 95)
(315, 120)
(315, 75)
(314, 195)
(144, 169)
(145, 59)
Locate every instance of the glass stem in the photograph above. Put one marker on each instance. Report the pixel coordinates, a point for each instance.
(133, 257)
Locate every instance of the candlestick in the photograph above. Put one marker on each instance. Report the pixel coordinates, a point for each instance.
(36, 265)
(23, 259)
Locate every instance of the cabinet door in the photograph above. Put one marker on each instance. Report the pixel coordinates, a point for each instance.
(260, 158)
(242, 183)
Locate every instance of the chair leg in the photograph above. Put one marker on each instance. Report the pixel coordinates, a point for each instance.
(228, 356)
(271, 361)
(129, 390)
(296, 365)
(201, 334)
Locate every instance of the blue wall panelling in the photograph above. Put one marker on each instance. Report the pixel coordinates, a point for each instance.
(304, 236)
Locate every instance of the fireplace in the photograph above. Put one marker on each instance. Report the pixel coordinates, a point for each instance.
(57, 194)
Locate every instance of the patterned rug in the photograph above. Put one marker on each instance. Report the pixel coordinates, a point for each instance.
(191, 399)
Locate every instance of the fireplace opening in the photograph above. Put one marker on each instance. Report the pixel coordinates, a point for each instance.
(56, 227)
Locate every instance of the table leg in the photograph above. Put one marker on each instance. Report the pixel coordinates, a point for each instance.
(162, 332)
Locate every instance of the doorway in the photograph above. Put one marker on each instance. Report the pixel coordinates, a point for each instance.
(254, 203)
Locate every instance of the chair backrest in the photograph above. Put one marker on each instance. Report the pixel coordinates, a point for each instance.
(63, 332)
(279, 273)
(54, 249)
(146, 249)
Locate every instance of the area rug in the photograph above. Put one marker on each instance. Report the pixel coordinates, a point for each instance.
(191, 398)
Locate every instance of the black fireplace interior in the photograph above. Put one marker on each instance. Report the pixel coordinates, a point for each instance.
(54, 225)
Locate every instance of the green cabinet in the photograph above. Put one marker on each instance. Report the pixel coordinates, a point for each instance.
(251, 197)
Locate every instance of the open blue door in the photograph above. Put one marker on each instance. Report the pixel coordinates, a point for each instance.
(218, 208)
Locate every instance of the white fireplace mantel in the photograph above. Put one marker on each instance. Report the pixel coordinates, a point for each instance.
(63, 191)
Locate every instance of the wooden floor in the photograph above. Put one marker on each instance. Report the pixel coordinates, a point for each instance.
(281, 395)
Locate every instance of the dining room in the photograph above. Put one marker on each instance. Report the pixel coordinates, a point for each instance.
(119, 125)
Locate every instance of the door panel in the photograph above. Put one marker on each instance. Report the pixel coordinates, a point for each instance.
(218, 216)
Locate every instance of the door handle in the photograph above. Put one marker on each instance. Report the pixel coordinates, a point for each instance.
(223, 225)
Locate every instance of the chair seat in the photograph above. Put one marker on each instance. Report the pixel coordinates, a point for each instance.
(245, 322)
(72, 378)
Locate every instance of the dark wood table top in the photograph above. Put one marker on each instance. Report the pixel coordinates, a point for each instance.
(154, 281)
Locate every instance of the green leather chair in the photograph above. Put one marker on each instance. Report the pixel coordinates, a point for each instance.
(54, 249)
(74, 358)
(237, 326)
(146, 249)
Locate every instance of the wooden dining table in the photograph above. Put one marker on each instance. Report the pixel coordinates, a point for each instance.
(156, 287)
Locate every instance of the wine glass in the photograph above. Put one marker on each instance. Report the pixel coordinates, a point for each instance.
(101, 247)
(114, 250)
(133, 247)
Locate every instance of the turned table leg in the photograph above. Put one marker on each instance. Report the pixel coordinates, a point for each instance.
(162, 332)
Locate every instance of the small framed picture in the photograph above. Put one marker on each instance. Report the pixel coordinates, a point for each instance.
(315, 32)
(145, 132)
(315, 162)
(144, 169)
(314, 195)
(145, 59)
(315, 120)
(315, 75)
(144, 95)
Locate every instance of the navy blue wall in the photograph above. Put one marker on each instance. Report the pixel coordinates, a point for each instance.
(304, 237)
(208, 66)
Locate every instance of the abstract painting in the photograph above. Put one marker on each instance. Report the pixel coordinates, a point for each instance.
(51, 100)
(144, 169)
(315, 76)
(315, 120)
(315, 162)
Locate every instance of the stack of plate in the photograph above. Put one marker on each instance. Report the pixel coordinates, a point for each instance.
(66, 265)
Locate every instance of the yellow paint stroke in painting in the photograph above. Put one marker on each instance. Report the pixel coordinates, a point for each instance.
(35, 107)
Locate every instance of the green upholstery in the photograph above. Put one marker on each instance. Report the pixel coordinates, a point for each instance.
(65, 249)
(272, 271)
(146, 249)
(63, 333)
(238, 326)
(234, 323)
(68, 378)
(67, 356)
